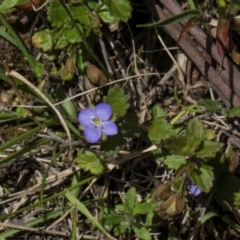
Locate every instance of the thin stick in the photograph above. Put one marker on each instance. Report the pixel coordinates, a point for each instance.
(91, 90)
(24, 80)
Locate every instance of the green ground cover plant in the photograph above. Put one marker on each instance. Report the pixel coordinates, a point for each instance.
(106, 136)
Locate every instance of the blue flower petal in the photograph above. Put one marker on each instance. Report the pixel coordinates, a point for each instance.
(109, 128)
(103, 111)
(85, 117)
(194, 190)
(92, 134)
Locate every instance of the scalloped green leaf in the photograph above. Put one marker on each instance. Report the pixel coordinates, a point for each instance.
(177, 145)
(90, 162)
(194, 134)
(43, 40)
(157, 112)
(82, 14)
(202, 176)
(208, 149)
(120, 9)
(160, 130)
(57, 14)
(118, 100)
(71, 35)
(174, 161)
(195, 128)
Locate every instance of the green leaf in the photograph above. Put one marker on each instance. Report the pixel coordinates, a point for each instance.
(22, 112)
(81, 207)
(58, 39)
(177, 184)
(174, 161)
(177, 144)
(75, 179)
(142, 232)
(233, 112)
(202, 177)
(118, 100)
(113, 219)
(61, 43)
(131, 197)
(120, 229)
(38, 220)
(160, 130)
(90, 162)
(7, 4)
(7, 36)
(120, 9)
(176, 18)
(81, 14)
(29, 147)
(209, 134)
(208, 149)
(121, 208)
(237, 200)
(105, 15)
(206, 217)
(43, 40)
(149, 218)
(233, 8)
(157, 112)
(71, 35)
(143, 208)
(57, 14)
(67, 105)
(19, 138)
(195, 135)
(195, 128)
(73, 128)
(39, 69)
(211, 105)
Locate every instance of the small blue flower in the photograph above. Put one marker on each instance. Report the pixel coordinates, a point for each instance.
(194, 190)
(96, 121)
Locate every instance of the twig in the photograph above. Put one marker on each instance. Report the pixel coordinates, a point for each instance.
(24, 80)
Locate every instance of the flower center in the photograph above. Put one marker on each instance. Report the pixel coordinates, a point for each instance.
(97, 122)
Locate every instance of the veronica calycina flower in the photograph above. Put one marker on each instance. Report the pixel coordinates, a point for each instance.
(96, 122)
(194, 190)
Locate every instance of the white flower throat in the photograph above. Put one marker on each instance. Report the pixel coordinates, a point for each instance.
(96, 121)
